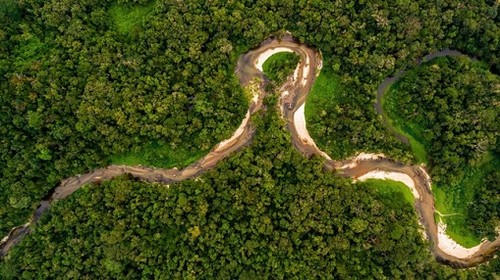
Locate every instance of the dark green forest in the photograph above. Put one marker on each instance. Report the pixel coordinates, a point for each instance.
(451, 106)
(87, 83)
(280, 66)
(266, 212)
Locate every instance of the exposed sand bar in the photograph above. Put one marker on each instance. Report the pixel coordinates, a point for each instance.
(451, 247)
(299, 119)
(267, 54)
(395, 176)
(445, 242)
(305, 73)
(362, 157)
(236, 134)
(367, 156)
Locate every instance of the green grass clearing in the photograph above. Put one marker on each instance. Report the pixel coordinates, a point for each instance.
(456, 226)
(397, 193)
(455, 200)
(325, 90)
(127, 18)
(280, 65)
(412, 131)
(158, 155)
(327, 96)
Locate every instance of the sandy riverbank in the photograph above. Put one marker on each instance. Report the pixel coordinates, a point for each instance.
(451, 247)
(395, 176)
(299, 119)
(267, 54)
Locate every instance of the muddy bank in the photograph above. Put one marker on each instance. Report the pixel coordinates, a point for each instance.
(294, 94)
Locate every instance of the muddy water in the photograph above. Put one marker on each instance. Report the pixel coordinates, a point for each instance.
(297, 89)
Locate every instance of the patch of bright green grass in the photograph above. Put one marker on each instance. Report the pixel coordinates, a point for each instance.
(280, 65)
(397, 193)
(411, 131)
(325, 90)
(326, 94)
(448, 200)
(454, 200)
(126, 18)
(158, 155)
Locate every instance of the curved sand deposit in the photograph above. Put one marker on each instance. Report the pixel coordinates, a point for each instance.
(367, 165)
(295, 91)
(395, 176)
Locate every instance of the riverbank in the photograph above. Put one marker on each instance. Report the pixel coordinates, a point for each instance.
(292, 107)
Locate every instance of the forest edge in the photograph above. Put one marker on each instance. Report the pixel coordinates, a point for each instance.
(293, 97)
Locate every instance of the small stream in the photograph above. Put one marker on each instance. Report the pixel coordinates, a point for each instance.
(388, 82)
(247, 73)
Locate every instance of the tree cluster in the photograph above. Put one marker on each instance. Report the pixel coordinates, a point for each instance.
(74, 90)
(280, 66)
(451, 105)
(266, 212)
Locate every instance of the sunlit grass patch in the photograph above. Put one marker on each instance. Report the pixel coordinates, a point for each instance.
(126, 18)
(392, 189)
(280, 65)
(411, 131)
(453, 202)
(158, 155)
(324, 91)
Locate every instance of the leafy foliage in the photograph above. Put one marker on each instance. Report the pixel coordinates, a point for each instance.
(267, 212)
(485, 210)
(76, 93)
(330, 111)
(450, 106)
(279, 66)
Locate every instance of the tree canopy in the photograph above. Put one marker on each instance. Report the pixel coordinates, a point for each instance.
(450, 105)
(83, 85)
(266, 212)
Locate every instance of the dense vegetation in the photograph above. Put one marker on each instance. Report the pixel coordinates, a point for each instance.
(76, 94)
(266, 212)
(280, 66)
(338, 130)
(450, 106)
(363, 44)
(84, 83)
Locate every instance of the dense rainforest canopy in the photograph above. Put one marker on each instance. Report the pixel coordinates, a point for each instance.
(451, 106)
(280, 66)
(276, 215)
(84, 83)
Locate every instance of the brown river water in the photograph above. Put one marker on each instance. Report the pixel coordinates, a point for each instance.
(297, 89)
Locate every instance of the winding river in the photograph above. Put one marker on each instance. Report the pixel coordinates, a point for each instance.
(292, 102)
